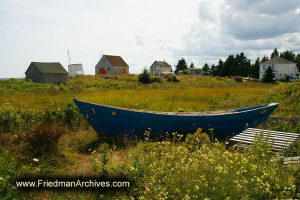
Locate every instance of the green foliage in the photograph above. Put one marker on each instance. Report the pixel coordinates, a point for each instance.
(196, 140)
(181, 65)
(287, 95)
(274, 54)
(155, 80)
(162, 170)
(269, 76)
(7, 174)
(172, 78)
(205, 69)
(144, 77)
(192, 65)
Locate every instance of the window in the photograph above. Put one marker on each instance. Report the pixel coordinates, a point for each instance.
(273, 66)
(264, 67)
(108, 69)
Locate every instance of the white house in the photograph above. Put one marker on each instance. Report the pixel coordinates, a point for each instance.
(159, 67)
(281, 67)
(75, 69)
(109, 64)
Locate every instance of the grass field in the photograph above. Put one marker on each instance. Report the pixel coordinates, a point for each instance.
(40, 121)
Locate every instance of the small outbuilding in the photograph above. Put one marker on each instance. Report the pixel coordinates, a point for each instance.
(195, 71)
(41, 72)
(109, 64)
(75, 69)
(159, 67)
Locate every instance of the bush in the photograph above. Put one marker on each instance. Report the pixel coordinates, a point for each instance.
(196, 140)
(144, 77)
(43, 140)
(155, 79)
(172, 78)
(7, 174)
(163, 170)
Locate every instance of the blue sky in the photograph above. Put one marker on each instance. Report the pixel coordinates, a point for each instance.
(142, 31)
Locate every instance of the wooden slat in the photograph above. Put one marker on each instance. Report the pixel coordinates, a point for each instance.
(250, 143)
(271, 134)
(272, 131)
(278, 140)
(273, 137)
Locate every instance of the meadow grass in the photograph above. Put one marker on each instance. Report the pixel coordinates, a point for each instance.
(190, 99)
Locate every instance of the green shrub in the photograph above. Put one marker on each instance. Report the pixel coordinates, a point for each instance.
(144, 77)
(156, 79)
(196, 140)
(172, 78)
(7, 175)
(163, 170)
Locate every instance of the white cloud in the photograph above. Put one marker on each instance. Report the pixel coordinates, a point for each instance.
(229, 27)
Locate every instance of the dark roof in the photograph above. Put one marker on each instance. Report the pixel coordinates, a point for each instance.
(162, 64)
(278, 60)
(49, 68)
(116, 60)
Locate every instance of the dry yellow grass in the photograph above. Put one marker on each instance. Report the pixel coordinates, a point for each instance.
(190, 99)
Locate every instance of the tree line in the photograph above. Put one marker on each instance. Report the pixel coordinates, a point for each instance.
(239, 64)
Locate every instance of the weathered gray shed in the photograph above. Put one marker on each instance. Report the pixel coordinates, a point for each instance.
(40, 72)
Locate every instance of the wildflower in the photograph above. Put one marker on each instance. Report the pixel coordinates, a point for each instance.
(36, 160)
(1, 178)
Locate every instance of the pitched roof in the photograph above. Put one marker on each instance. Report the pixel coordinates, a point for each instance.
(49, 68)
(278, 60)
(116, 60)
(162, 64)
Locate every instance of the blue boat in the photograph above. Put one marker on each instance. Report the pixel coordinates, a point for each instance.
(114, 121)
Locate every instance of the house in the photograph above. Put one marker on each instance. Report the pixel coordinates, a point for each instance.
(195, 71)
(159, 67)
(109, 64)
(75, 69)
(282, 68)
(40, 72)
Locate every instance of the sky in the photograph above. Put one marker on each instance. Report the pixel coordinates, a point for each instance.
(201, 31)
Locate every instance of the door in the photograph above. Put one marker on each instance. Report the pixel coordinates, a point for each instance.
(124, 71)
(102, 70)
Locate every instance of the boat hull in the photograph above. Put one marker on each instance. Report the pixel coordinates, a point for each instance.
(113, 121)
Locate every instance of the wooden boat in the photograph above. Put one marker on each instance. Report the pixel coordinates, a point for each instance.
(114, 121)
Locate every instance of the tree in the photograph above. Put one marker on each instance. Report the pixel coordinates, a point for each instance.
(289, 55)
(274, 54)
(228, 66)
(297, 59)
(264, 59)
(213, 70)
(192, 65)
(144, 77)
(181, 65)
(255, 69)
(205, 69)
(269, 76)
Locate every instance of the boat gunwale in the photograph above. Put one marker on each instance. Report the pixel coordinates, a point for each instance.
(185, 114)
